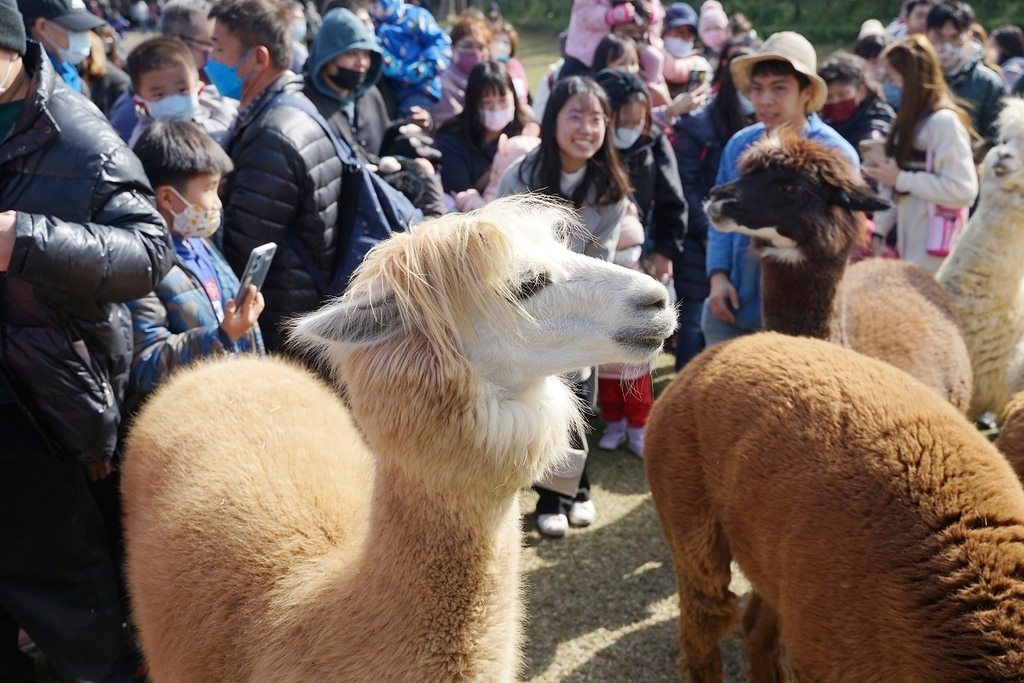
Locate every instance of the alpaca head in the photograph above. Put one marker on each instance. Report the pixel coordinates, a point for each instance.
(1004, 164)
(449, 339)
(796, 198)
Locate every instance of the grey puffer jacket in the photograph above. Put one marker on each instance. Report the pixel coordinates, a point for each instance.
(286, 186)
(87, 239)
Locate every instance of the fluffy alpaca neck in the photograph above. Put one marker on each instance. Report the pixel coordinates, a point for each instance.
(991, 247)
(800, 298)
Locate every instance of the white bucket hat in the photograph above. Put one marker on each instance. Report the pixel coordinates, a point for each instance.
(785, 46)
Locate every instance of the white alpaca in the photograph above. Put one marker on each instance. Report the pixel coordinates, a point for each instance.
(984, 274)
(272, 537)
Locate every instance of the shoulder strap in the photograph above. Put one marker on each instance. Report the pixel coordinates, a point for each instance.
(288, 99)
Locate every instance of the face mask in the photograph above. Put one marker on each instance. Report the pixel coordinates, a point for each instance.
(173, 107)
(299, 31)
(501, 51)
(893, 94)
(466, 60)
(949, 56)
(77, 49)
(193, 221)
(346, 79)
(839, 112)
(496, 121)
(4, 88)
(626, 137)
(225, 78)
(677, 47)
(713, 38)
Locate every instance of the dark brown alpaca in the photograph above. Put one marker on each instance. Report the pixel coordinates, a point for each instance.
(884, 536)
(801, 202)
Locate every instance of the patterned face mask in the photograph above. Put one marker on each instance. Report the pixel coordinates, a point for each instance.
(193, 221)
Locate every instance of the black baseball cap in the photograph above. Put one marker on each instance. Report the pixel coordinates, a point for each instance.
(71, 14)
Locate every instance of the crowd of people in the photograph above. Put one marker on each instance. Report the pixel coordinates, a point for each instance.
(125, 224)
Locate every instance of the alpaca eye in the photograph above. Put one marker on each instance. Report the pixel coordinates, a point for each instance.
(531, 284)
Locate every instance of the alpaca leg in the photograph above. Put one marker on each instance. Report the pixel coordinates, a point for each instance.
(761, 638)
(706, 607)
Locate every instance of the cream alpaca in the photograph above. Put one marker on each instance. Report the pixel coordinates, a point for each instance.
(268, 543)
(984, 274)
(799, 200)
(883, 534)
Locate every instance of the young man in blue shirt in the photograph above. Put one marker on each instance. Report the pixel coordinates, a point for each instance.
(781, 81)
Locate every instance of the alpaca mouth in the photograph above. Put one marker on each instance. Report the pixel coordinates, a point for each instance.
(646, 341)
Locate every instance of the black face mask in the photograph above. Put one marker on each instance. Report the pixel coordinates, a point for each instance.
(346, 79)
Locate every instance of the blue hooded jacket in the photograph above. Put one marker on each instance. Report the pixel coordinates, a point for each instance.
(415, 49)
(341, 32)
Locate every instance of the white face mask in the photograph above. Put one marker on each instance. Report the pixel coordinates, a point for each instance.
(173, 107)
(10, 67)
(677, 47)
(193, 221)
(501, 50)
(625, 138)
(496, 120)
(77, 49)
(949, 55)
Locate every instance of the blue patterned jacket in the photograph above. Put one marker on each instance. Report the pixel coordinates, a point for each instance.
(415, 49)
(176, 324)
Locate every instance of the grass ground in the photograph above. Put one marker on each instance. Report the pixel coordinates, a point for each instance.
(602, 601)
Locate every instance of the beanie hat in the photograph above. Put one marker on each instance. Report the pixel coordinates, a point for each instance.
(619, 85)
(712, 14)
(12, 28)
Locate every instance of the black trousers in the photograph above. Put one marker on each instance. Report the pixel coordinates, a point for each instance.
(58, 577)
(551, 502)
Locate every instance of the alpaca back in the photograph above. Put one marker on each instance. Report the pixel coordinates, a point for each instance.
(886, 533)
(203, 506)
(895, 311)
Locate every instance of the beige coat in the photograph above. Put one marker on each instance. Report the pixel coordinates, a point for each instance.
(951, 182)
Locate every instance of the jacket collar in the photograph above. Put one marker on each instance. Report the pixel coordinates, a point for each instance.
(256, 107)
(36, 125)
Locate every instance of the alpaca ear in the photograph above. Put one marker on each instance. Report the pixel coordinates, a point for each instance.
(861, 199)
(355, 323)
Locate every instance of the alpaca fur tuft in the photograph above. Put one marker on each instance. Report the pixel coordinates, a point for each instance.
(802, 202)
(1011, 435)
(884, 536)
(289, 538)
(984, 274)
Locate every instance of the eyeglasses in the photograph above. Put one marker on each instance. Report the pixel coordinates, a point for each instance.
(577, 119)
(469, 47)
(204, 45)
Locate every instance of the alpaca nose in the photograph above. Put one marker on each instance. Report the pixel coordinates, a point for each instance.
(656, 300)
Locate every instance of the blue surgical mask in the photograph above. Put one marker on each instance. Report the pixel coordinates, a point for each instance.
(77, 49)
(173, 107)
(893, 94)
(299, 31)
(225, 78)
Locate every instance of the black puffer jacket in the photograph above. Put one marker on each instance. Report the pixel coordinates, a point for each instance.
(659, 196)
(87, 239)
(287, 182)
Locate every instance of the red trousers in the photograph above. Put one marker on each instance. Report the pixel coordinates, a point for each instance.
(626, 398)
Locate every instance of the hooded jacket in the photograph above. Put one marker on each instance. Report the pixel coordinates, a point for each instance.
(88, 238)
(415, 49)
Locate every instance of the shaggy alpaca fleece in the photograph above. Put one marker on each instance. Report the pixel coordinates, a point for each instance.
(984, 274)
(1011, 434)
(289, 538)
(883, 534)
(802, 202)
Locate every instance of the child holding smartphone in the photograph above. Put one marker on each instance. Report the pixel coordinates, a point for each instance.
(192, 313)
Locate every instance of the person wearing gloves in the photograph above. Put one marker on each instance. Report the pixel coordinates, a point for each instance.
(79, 237)
(61, 28)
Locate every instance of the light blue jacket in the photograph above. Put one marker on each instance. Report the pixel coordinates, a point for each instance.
(729, 252)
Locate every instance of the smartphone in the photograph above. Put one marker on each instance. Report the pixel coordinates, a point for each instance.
(256, 269)
(872, 148)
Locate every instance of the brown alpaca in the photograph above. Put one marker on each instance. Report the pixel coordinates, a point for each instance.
(1011, 434)
(883, 534)
(799, 200)
(274, 535)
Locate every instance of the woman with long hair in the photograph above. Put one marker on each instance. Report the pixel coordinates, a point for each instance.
(577, 162)
(469, 140)
(927, 164)
(699, 139)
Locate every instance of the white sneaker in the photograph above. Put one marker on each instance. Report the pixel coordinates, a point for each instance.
(636, 441)
(553, 525)
(613, 436)
(582, 513)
